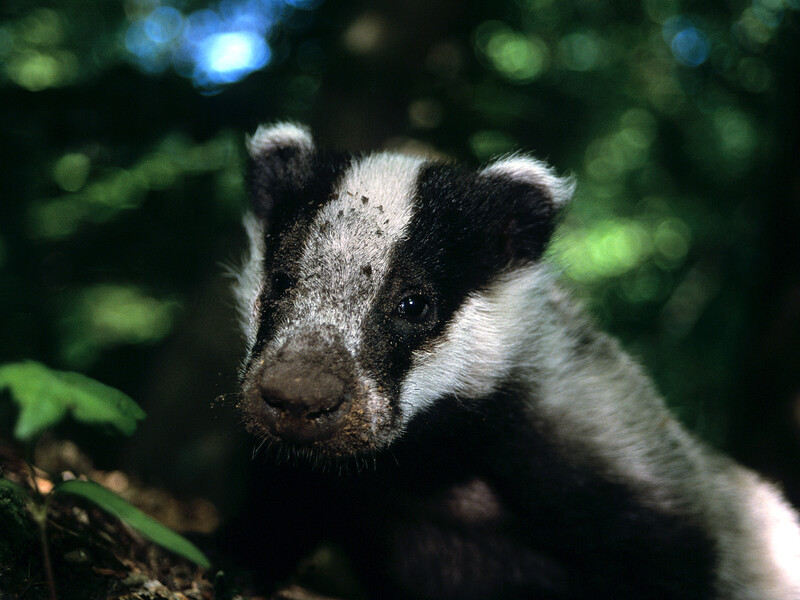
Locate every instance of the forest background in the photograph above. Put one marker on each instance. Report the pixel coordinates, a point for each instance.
(121, 190)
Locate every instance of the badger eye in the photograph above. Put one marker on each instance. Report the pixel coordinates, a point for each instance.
(414, 308)
(281, 282)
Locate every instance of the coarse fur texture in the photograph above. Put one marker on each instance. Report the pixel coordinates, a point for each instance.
(427, 396)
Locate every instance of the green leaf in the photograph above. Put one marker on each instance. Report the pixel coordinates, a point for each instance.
(15, 489)
(126, 512)
(45, 396)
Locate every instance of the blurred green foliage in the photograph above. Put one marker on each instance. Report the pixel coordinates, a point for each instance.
(122, 170)
(45, 397)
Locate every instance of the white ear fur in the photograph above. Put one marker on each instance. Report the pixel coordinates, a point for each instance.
(279, 135)
(523, 168)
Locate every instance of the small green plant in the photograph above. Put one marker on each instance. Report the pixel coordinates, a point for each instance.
(45, 397)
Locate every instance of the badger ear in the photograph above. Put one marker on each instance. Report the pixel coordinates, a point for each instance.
(532, 196)
(280, 157)
(524, 170)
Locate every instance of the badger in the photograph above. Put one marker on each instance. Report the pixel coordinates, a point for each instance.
(426, 394)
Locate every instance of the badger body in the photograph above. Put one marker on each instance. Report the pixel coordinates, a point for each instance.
(427, 396)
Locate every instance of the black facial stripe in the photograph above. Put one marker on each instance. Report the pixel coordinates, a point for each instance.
(299, 202)
(288, 221)
(466, 229)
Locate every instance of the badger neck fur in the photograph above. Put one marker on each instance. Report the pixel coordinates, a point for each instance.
(398, 315)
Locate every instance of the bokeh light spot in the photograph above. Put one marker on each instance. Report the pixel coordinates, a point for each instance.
(737, 136)
(609, 248)
(163, 24)
(690, 46)
(37, 71)
(71, 170)
(519, 58)
(43, 27)
(107, 315)
(645, 285)
(225, 57)
(580, 51)
(754, 75)
(213, 46)
(672, 239)
(366, 34)
(488, 143)
(53, 220)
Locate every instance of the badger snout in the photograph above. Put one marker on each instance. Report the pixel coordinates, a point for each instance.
(306, 392)
(303, 403)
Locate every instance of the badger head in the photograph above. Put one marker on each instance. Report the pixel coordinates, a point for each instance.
(377, 284)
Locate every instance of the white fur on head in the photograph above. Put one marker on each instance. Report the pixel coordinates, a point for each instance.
(523, 168)
(280, 135)
(357, 228)
(345, 260)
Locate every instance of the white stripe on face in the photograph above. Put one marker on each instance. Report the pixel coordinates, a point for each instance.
(347, 252)
(477, 347)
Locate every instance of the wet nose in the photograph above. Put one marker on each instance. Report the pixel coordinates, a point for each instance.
(303, 403)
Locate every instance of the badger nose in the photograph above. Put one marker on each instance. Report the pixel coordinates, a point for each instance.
(302, 402)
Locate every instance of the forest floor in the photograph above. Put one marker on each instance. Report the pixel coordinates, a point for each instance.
(94, 555)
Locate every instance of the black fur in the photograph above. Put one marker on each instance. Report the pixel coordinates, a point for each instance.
(561, 531)
(466, 229)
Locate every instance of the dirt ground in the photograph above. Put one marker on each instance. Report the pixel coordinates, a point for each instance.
(97, 557)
